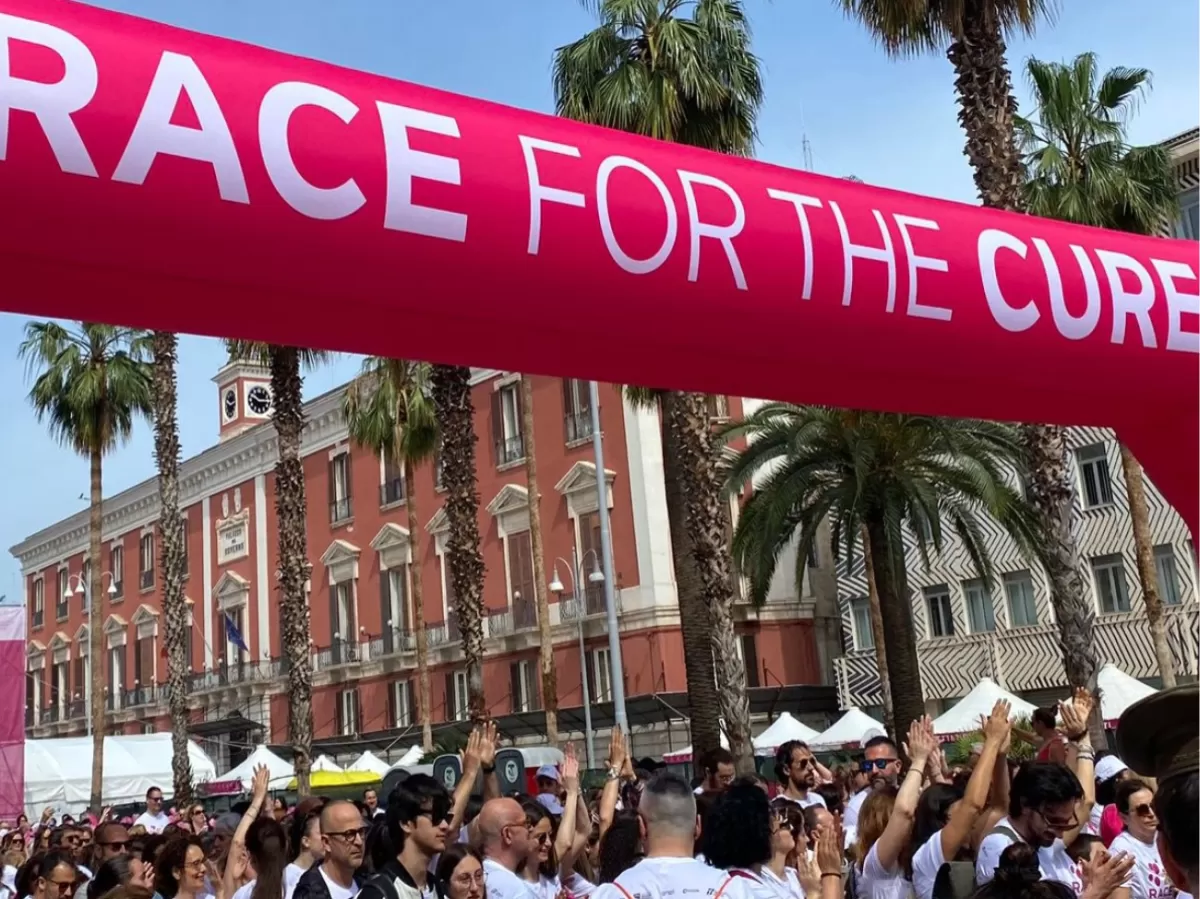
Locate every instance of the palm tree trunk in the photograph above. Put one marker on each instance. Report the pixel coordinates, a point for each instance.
(294, 568)
(166, 453)
(96, 630)
(707, 527)
(877, 634)
(695, 623)
(1139, 516)
(899, 634)
(424, 704)
(464, 562)
(546, 648)
(986, 111)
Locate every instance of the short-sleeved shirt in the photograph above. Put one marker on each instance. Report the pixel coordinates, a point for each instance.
(672, 878)
(1053, 860)
(1148, 879)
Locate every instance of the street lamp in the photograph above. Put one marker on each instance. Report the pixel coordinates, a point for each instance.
(556, 587)
(83, 587)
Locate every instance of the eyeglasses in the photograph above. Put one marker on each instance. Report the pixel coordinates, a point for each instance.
(1145, 810)
(875, 764)
(1057, 824)
(541, 838)
(805, 763)
(350, 836)
(118, 846)
(196, 865)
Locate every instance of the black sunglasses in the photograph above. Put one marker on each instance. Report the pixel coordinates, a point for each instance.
(869, 765)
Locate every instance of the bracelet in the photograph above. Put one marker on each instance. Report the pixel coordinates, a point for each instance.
(488, 769)
(831, 874)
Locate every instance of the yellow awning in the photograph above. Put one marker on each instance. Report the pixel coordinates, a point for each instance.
(326, 779)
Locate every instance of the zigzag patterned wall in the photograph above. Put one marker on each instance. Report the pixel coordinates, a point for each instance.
(1028, 659)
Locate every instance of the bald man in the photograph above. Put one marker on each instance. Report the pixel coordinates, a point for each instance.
(504, 834)
(343, 837)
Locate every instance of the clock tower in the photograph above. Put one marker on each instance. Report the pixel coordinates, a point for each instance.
(243, 395)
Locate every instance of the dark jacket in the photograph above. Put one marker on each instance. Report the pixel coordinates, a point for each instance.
(393, 881)
(311, 884)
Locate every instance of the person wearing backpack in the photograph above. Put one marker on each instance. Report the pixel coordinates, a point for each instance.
(418, 821)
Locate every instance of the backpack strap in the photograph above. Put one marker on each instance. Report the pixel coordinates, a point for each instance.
(1007, 831)
(624, 892)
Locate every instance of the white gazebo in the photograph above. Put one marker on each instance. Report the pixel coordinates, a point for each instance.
(853, 729)
(371, 763)
(325, 763)
(281, 771)
(1118, 691)
(782, 729)
(964, 717)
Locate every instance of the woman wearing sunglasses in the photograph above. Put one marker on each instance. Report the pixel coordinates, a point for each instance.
(550, 869)
(1135, 805)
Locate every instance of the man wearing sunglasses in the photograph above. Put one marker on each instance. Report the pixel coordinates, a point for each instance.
(418, 823)
(111, 840)
(796, 769)
(880, 764)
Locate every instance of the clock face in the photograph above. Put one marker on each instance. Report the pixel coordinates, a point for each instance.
(259, 400)
(229, 403)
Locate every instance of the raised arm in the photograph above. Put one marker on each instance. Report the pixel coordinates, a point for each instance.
(471, 765)
(1075, 714)
(236, 862)
(566, 839)
(974, 801)
(921, 743)
(617, 756)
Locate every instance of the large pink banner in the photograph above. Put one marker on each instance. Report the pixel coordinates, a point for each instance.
(160, 178)
(12, 712)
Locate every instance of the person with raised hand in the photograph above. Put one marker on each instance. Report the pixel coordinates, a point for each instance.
(478, 757)
(830, 862)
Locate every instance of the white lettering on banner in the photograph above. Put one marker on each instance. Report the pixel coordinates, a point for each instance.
(1178, 305)
(852, 251)
(1072, 327)
(1124, 303)
(154, 133)
(1007, 316)
(915, 262)
(405, 164)
(799, 201)
(724, 233)
(52, 104)
(539, 193)
(274, 116)
(619, 256)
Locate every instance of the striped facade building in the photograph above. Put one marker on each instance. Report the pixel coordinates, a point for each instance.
(968, 629)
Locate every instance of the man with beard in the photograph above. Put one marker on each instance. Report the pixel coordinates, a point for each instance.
(342, 837)
(418, 821)
(507, 843)
(796, 769)
(880, 764)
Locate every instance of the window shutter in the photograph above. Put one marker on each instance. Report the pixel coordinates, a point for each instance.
(334, 629)
(357, 711)
(348, 469)
(332, 488)
(124, 672)
(497, 427)
(402, 604)
(385, 610)
(589, 673)
(519, 402)
(137, 663)
(341, 713)
(535, 668)
(393, 709)
(750, 654)
(451, 712)
(514, 685)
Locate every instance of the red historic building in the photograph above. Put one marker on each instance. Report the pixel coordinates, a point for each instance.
(359, 593)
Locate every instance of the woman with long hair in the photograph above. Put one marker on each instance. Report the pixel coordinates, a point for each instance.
(460, 869)
(304, 841)
(256, 841)
(620, 846)
(559, 843)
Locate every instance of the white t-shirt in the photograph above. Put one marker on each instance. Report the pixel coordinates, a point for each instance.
(578, 885)
(502, 883)
(927, 861)
(672, 878)
(879, 883)
(1054, 862)
(789, 887)
(244, 891)
(850, 816)
(813, 798)
(336, 890)
(291, 876)
(1147, 880)
(547, 887)
(153, 823)
(1094, 816)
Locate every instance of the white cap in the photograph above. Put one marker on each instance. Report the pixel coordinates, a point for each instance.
(1109, 767)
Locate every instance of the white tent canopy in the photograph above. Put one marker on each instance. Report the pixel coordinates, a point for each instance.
(368, 761)
(685, 754)
(325, 763)
(281, 772)
(782, 729)
(1118, 691)
(412, 757)
(59, 772)
(964, 717)
(853, 728)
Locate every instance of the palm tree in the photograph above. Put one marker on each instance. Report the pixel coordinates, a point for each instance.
(464, 563)
(1080, 168)
(692, 80)
(389, 410)
(888, 474)
(90, 382)
(546, 647)
(287, 414)
(164, 346)
(973, 36)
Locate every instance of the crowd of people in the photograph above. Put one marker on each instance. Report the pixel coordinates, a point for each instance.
(1072, 824)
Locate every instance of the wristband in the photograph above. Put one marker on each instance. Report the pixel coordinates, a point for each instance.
(831, 874)
(488, 769)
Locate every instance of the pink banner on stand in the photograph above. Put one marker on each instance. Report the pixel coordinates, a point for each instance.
(12, 712)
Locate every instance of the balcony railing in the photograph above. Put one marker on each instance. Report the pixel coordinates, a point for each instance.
(340, 652)
(76, 708)
(339, 509)
(118, 589)
(51, 713)
(30, 715)
(509, 450)
(140, 696)
(232, 673)
(593, 606)
(391, 491)
(579, 426)
(146, 580)
(39, 617)
(394, 639)
(62, 610)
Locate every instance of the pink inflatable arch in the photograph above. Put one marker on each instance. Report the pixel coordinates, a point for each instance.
(164, 179)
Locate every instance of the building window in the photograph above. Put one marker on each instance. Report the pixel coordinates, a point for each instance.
(347, 713)
(577, 410)
(392, 488)
(599, 676)
(235, 634)
(341, 615)
(520, 575)
(116, 565)
(506, 424)
(747, 646)
(1018, 593)
(860, 623)
(1188, 226)
(717, 405)
(62, 596)
(394, 607)
(1093, 475)
(590, 549)
(116, 676)
(524, 678)
(941, 619)
(1109, 574)
(183, 546)
(981, 617)
(143, 662)
(400, 697)
(457, 701)
(146, 561)
(38, 602)
(1168, 576)
(339, 488)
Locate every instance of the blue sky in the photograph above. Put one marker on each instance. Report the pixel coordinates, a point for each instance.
(889, 123)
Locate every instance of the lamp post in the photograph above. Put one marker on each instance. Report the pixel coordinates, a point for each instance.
(556, 586)
(610, 600)
(83, 587)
